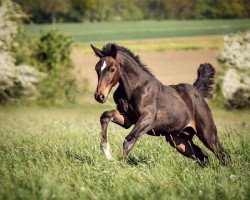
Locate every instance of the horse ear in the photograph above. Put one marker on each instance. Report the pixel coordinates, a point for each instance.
(113, 50)
(97, 51)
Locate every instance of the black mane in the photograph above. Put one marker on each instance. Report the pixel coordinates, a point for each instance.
(107, 51)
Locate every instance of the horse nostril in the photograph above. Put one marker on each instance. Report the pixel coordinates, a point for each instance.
(102, 97)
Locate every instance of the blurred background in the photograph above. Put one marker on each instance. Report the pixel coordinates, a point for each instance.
(46, 57)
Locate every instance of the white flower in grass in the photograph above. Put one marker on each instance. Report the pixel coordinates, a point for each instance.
(233, 177)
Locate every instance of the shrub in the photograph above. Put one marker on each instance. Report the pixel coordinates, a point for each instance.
(15, 81)
(53, 51)
(235, 80)
(53, 55)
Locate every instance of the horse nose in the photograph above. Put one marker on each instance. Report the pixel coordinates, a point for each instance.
(99, 97)
(102, 97)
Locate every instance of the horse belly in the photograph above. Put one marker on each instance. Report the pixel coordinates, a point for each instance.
(169, 122)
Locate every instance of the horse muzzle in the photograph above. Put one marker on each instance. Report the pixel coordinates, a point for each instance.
(100, 98)
(102, 94)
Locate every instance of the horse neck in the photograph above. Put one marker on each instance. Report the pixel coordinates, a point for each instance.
(132, 75)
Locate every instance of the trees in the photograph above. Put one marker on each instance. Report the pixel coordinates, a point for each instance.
(44, 11)
(212, 9)
(53, 8)
(41, 11)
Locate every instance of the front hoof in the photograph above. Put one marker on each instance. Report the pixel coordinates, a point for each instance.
(127, 146)
(106, 150)
(109, 158)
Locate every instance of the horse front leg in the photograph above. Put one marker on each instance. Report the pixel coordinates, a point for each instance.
(106, 117)
(143, 125)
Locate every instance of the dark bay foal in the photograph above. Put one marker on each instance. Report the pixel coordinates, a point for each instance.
(177, 112)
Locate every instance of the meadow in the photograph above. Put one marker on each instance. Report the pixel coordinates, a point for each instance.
(112, 31)
(53, 153)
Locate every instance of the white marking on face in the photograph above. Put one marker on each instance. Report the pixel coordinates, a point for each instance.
(103, 66)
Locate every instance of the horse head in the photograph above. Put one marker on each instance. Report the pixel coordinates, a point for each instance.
(108, 71)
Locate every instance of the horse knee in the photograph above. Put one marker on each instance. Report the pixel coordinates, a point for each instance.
(105, 117)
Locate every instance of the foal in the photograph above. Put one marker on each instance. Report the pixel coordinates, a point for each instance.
(177, 112)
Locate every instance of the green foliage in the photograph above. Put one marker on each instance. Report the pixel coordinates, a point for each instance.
(58, 89)
(53, 153)
(130, 11)
(214, 9)
(44, 11)
(53, 52)
(50, 54)
(53, 56)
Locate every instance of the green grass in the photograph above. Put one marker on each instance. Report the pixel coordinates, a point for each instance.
(112, 31)
(53, 153)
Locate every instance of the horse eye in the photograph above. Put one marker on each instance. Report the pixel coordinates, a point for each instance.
(112, 69)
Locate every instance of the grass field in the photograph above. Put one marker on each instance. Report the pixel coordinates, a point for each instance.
(160, 44)
(53, 153)
(112, 31)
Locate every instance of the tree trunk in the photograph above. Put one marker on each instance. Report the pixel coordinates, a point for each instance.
(53, 20)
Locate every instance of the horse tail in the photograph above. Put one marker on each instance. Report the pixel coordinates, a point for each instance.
(205, 80)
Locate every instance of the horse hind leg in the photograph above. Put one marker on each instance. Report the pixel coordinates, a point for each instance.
(211, 141)
(186, 147)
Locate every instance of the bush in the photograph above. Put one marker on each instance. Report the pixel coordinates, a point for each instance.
(235, 78)
(15, 81)
(51, 81)
(53, 56)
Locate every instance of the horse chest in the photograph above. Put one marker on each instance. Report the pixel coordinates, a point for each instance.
(126, 108)
(122, 105)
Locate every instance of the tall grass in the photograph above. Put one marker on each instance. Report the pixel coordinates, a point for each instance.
(53, 153)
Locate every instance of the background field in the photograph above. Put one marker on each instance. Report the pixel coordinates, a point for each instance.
(112, 31)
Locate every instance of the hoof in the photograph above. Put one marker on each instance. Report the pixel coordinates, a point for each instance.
(127, 146)
(225, 159)
(110, 158)
(106, 150)
(204, 163)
